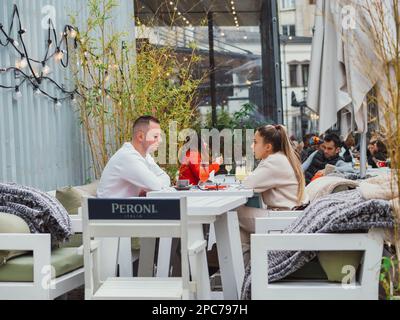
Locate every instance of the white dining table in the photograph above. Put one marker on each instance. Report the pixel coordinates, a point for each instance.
(195, 192)
(217, 208)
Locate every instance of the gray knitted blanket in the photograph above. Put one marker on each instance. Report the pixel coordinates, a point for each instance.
(42, 212)
(336, 213)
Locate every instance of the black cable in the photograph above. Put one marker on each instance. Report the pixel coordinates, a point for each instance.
(24, 55)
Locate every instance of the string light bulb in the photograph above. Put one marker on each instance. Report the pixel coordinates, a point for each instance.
(23, 63)
(57, 103)
(73, 33)
(14, 42)
(17, 93)
(36, 92)
(73, 99)
(46, 69)
(106, 76)
(59, 55)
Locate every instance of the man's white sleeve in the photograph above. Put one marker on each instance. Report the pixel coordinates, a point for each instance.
(138, 173)
(159, 173)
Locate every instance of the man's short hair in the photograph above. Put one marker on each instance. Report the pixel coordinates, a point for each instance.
(335, 138)
(143, 121)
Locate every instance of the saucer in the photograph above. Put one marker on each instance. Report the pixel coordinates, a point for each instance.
(183, 188)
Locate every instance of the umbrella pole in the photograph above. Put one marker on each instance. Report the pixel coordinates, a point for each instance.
(363, 155)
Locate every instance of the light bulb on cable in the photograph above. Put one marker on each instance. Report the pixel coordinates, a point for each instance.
(57, 103)
(46, 69)
(23, 63)
(59, 55)
(17, 94)
(106, 77)
(36, 92)
(73, 33)
(73, 99)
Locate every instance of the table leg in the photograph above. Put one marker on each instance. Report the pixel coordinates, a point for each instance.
(198, 264)
(146, 257)
(164, 257)
(211, 237)
(230, 254)
(108, 257)
(125, 258)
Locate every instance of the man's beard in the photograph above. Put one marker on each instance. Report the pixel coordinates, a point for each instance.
(151, 149)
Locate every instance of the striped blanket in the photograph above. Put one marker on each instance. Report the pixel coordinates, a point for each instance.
(42, 213)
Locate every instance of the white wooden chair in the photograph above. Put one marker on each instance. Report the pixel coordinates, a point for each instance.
(100, 222)
(43, 286)
(366, 286)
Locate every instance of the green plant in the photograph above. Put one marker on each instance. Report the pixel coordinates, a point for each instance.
(246, 118)
(389, 277)
(119, 81)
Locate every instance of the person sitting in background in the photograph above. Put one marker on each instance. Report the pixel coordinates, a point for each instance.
(279, 178)
(329, 154)
(346, 152)
(377, 151)
(132, 171)
(194, 163)
(307, 149)
(298, 147)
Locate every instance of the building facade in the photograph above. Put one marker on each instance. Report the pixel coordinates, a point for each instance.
(296, 19)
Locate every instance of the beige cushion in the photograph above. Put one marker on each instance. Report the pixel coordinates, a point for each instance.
(89, 190)
(333, 263)
(10, 223)
(310, 271)
(71, 197)
(75, 241)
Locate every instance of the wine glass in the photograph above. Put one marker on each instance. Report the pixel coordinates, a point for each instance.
(229, 166)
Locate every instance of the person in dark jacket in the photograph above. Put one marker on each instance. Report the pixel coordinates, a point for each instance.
(377, 151)
(314, 144)
(348, 144)
(328, 155)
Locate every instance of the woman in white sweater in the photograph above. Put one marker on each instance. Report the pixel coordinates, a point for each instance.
(279, 178)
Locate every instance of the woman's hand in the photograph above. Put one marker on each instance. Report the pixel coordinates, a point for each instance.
(219, 160)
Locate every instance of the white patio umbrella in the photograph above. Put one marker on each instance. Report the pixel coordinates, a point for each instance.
(344, 67)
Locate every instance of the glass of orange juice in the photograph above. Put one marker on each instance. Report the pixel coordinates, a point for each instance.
(204, 174)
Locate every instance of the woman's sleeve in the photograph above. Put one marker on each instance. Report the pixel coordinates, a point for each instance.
(267, 176)
(214, 167)
(194, 163)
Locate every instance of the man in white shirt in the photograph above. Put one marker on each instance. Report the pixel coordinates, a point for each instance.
(132, 171)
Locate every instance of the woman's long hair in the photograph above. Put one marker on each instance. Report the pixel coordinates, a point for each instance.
(278, 138)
